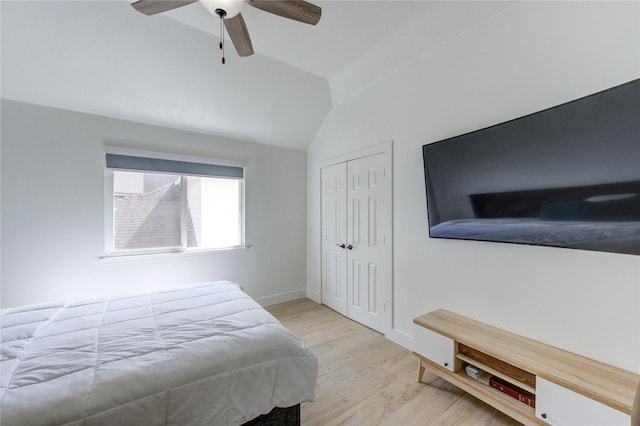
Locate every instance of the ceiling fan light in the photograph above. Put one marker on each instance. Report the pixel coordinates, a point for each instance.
(231, 7)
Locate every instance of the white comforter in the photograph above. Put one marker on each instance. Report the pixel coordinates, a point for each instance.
(193, 355)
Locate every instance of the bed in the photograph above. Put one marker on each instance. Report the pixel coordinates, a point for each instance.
(199, 354)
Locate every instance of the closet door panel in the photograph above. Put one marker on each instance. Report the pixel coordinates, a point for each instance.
(334, 237)
(366, 228)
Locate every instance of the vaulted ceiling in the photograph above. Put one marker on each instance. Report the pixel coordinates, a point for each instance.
(103, 57)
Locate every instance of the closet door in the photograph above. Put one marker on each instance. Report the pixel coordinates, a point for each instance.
(356, 239)
(334, 237)
(367, 226)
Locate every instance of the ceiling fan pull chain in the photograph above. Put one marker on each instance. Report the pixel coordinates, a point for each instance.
(221, 13)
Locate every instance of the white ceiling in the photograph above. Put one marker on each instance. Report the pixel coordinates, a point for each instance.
(103, 57)
(345, 32)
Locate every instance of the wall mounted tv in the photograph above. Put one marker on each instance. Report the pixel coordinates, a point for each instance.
(567, 176)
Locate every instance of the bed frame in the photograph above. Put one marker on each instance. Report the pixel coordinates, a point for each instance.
(278, 417)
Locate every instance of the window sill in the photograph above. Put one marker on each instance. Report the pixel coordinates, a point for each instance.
(140, 257)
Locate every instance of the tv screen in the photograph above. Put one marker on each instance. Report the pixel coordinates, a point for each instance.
(567, 176)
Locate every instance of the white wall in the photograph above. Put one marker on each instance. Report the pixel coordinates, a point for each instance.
(52, 227)
(528, 57)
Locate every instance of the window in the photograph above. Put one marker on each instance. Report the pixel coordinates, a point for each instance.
(161, 205)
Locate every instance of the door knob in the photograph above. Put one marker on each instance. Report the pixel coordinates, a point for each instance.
(341, 245)
(350, 247)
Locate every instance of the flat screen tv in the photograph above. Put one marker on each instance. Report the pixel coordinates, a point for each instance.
(567, 176)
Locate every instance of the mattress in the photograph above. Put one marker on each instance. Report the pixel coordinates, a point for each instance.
(199, 354)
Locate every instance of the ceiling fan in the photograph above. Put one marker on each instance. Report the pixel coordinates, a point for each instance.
(229, 13)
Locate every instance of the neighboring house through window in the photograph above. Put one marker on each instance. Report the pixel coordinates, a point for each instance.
(161, 205)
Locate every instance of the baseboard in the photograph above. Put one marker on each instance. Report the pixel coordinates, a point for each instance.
(282, 297)
(401, 338)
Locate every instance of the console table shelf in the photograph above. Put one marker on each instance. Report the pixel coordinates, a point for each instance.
(441, 336)
(506, 404)
(497, 373)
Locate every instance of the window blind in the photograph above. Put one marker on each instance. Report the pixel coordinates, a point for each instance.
(133, 163)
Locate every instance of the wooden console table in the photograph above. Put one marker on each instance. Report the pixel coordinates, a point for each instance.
(569, 389)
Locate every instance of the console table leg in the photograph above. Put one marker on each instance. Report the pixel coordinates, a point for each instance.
(421, 369)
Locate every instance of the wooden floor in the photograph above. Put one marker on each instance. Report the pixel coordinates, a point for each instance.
(365, 379)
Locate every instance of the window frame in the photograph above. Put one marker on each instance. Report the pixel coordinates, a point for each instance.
(109, 250)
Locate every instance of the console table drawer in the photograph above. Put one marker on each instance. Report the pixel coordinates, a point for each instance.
(557, 405)
(434, 346)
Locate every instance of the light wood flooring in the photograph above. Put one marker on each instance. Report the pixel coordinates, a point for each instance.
(365, 379)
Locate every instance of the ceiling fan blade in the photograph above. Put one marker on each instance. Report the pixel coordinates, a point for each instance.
(298, 10)
(239, 35)
(151, 7)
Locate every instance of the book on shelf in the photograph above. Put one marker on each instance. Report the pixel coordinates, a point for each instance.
(513, 391)
(502, 385)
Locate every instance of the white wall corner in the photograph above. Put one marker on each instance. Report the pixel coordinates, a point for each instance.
(426, 31)
(313, 295)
